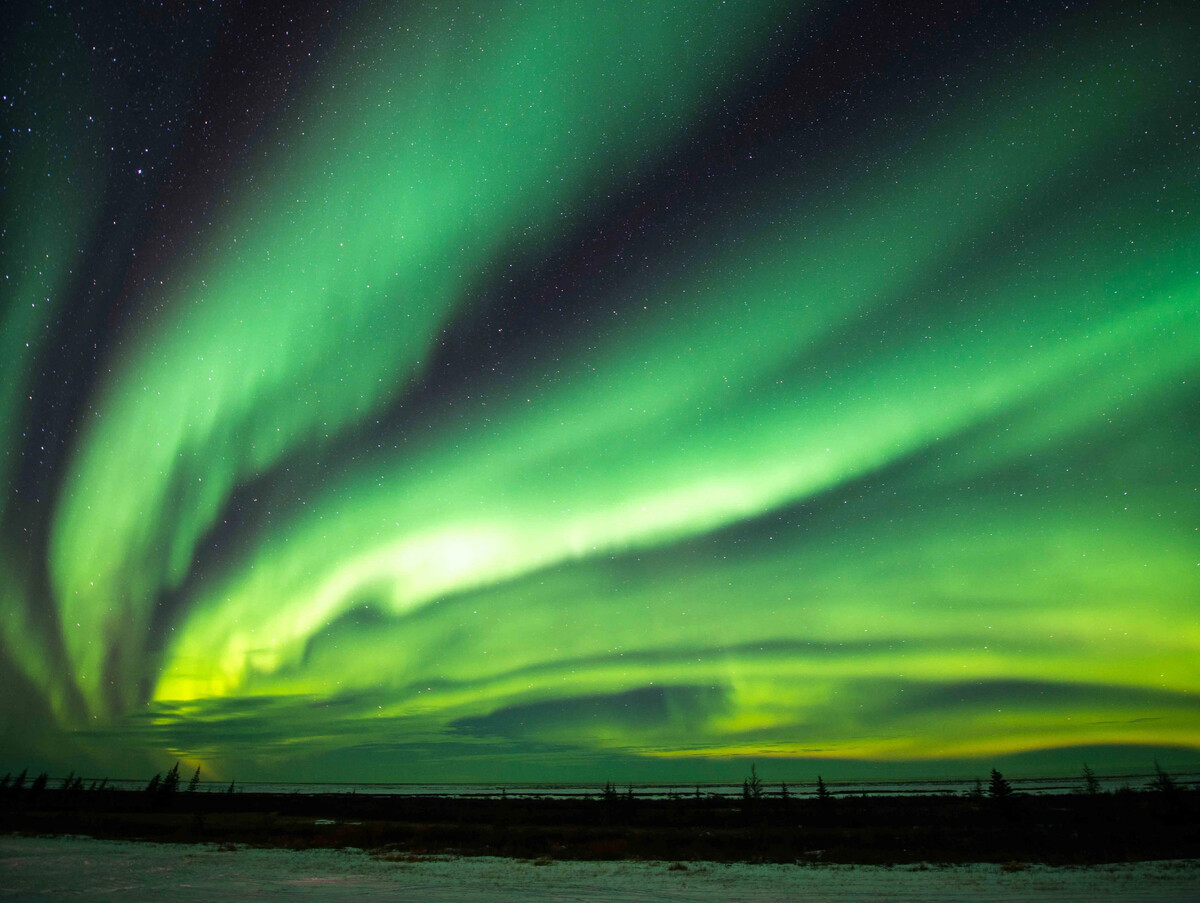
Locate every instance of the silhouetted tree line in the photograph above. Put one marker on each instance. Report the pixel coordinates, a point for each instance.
(74, 790)
(163, 787)
(998, 787)
(767, 821)
(754, 789)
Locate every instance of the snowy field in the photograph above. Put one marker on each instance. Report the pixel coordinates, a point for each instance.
(49, 868)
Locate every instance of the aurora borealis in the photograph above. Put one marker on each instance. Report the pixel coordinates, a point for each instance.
(408, 392)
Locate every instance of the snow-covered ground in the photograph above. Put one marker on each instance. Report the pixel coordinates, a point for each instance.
(53, 868)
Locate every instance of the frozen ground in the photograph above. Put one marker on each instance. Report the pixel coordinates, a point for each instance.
(57, 868)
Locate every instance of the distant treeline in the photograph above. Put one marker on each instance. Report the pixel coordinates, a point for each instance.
(1159, 820)
(166, 785)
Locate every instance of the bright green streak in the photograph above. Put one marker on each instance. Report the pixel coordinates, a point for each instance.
(784, 366)
(467, 136)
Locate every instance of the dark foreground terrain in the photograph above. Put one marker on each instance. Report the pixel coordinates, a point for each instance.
(1068, 829)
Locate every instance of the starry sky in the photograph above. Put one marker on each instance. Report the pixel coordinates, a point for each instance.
(508, 391)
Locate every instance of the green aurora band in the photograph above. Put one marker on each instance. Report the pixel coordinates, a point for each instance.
(884, 458)
(393, 198)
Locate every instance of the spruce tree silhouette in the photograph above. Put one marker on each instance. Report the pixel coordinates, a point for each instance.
(171, 782)
(998, 787)
(1090, 782)
(1163, 783)
(822, 790)
(752, 786)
